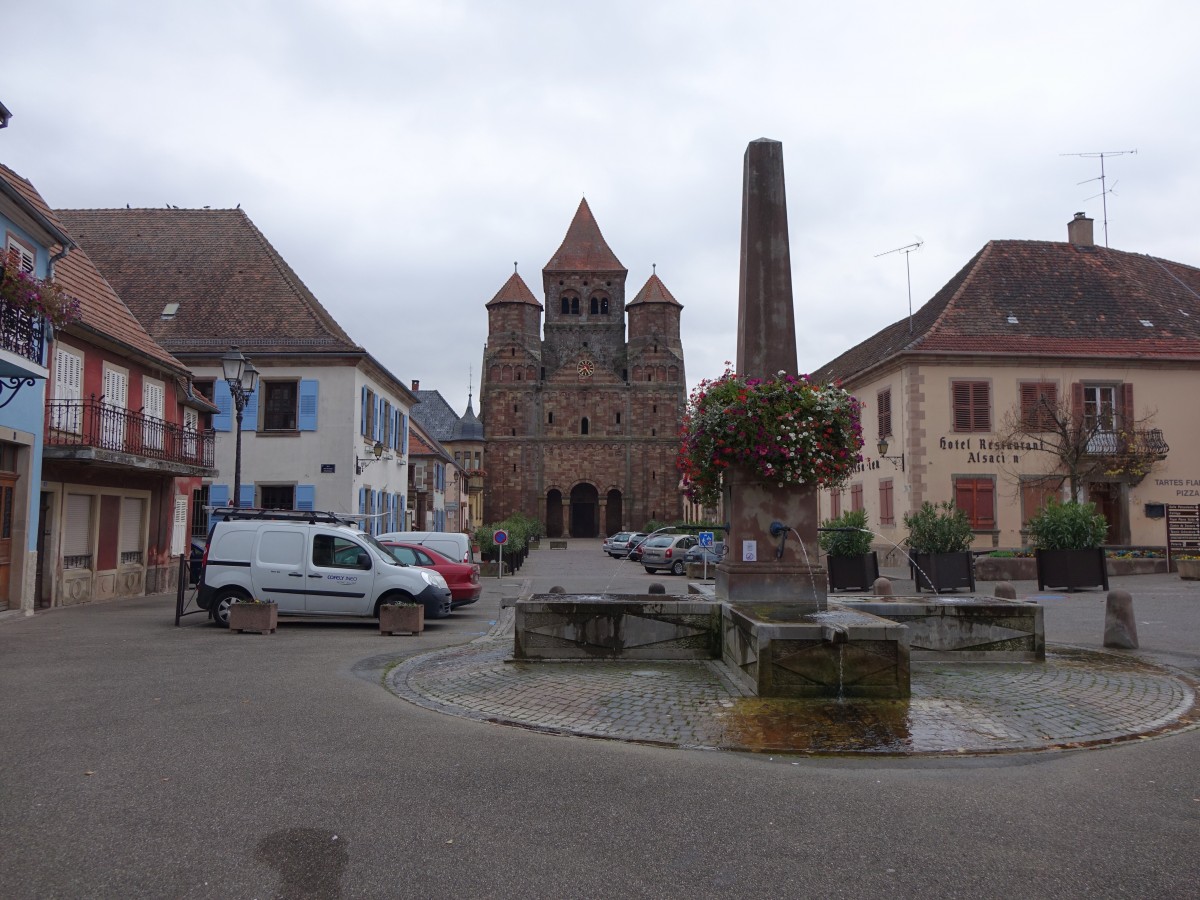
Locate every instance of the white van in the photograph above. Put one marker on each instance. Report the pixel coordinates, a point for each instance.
(310, 564)
(453, 545)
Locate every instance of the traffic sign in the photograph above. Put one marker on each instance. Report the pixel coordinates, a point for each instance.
(500, 536)
(706, 538)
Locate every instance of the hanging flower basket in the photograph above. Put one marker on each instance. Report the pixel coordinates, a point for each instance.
(785, 429)
(21, 291)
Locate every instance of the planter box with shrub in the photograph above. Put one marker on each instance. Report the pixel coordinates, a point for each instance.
(1068, 538)
(940, 537)
(849, 559)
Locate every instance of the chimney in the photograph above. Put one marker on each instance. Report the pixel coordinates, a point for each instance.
(1079, 231)
(417, 384)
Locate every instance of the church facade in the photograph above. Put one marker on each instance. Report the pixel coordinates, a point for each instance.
(581, 411)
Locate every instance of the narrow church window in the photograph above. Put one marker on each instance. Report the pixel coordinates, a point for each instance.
(566, 306)
(654, 408)
(583, 426)
(653, 432)
(650, 377)
(574, 306)
(543, 373)
(624, 374)
(604, 306)
(550, 418)
(513, 352)
(618, 418)
(518, 374)
(653, 476)
(514, 407)
(656, 348)
(514, 434)
(595, 306)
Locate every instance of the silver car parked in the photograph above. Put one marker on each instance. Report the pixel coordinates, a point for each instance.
(666, 551)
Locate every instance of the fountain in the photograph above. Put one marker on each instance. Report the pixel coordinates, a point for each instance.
(770, 619)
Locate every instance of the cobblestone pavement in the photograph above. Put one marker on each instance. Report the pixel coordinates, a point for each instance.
(1078, 698)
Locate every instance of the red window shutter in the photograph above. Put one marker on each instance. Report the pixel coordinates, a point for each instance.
(1077, 403)
(856, 497)
(884, 402)
(887, 515)
(972, 405)
(964, 497)
(1125, 408)
(985, 503)
(835, 504)
(1039, 404)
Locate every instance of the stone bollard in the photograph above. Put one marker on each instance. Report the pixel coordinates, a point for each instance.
(1005, 590)
(656, 587)
(883, 587)
(557, 589)
(1120, 626)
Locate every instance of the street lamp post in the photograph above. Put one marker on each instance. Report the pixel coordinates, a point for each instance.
(242, 377)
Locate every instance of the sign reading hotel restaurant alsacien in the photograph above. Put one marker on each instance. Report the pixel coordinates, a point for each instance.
(987, 450)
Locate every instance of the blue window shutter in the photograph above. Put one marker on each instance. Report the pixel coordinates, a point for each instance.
(378, 418)
(250, 413)
(362, 500)
(218, 495)
(247, 497)
(307, 418)
(395, 429)
(306, 496)
(222, 421)
(362, 413)
(404, 435)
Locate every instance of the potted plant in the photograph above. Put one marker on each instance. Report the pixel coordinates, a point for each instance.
(258, 616)
(401, 617)
(852, 564)
(1188, 567)
(22, 292)
(1068, 538)
(940, 540)
(785, 430)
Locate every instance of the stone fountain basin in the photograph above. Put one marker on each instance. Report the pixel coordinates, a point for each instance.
(967, 629)
(777, 651)
(616, 626)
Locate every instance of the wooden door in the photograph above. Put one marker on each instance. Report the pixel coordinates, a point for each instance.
(7, 488)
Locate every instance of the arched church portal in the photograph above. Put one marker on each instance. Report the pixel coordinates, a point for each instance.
(585, 511)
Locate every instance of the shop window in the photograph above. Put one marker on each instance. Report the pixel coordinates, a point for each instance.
(977, 498)
(887, 514)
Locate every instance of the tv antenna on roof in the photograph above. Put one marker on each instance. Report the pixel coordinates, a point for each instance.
(906, 250)
(1104, 190)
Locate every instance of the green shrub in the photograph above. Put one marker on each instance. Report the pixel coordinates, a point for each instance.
(943, 528)
(847, 543)
(1068, 526)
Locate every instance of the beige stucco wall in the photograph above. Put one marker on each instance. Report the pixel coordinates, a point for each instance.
(934, 454)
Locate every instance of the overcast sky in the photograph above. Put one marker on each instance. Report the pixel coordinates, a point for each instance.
(402, 154)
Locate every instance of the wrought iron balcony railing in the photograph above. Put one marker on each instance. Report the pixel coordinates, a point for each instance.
(1143, 442)
(94, 423)
(22, 333)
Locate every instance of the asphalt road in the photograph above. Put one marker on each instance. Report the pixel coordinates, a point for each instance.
(144, 760)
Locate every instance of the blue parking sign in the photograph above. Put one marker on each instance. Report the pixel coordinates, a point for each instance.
(706, 538)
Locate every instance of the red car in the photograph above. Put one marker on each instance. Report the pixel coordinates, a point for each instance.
(463, 578)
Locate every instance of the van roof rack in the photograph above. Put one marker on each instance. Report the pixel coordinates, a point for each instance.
(311, 516)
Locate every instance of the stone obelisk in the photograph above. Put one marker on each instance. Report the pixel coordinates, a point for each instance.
(754, 571)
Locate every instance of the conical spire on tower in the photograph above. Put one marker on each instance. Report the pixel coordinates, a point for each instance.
(584, 248)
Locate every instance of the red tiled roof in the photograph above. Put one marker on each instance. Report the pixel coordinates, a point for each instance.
(584, 248)
(515, 290)
(231, 285)
(30, 195)
(103, 311)
(1047, 298)
(654, 291)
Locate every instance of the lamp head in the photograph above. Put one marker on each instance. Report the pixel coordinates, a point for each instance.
(249, 378)
(882, 447)
(232, 364)
(377, 450)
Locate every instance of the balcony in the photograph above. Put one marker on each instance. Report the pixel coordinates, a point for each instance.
(21, 333)
(94, 431)
(1147, 442)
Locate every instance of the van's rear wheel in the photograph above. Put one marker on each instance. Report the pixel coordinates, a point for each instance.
(220, 604)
